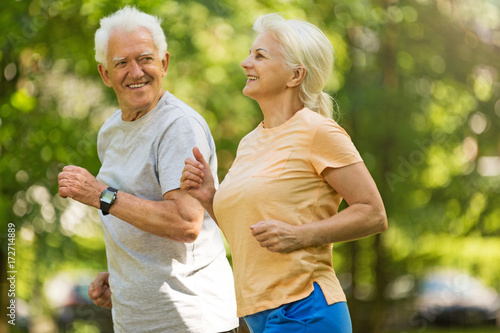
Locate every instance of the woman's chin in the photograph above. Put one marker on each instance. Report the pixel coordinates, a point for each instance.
(247, 92)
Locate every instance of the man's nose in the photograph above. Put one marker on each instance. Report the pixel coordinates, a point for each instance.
(135, 69)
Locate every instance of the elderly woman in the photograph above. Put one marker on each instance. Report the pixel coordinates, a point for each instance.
(278, 203)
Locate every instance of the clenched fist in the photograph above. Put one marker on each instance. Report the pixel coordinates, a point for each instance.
(78, 184)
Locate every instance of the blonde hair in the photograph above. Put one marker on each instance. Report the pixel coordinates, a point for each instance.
(128, 19)
(302, 44)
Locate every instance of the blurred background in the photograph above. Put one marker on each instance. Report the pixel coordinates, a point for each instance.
(417, 84)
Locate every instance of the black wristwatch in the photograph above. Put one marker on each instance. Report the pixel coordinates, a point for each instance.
(107, 198)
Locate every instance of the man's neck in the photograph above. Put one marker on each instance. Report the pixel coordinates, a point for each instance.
(129, 114)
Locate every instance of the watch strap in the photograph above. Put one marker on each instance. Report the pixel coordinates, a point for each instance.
(105, 206)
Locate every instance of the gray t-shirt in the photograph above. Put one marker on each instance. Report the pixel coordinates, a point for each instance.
(159, 285)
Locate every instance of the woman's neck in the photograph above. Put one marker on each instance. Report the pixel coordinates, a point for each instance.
(276, 113)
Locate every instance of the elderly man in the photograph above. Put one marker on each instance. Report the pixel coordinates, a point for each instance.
(167, 266)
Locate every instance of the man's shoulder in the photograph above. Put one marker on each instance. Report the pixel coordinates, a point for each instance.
(172, 102)
(175, 109)
(111, 121)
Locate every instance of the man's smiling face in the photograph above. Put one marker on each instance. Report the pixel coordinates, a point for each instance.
(135, 71)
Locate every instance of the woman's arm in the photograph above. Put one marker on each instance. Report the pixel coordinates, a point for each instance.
(198, 182)
(365, 215)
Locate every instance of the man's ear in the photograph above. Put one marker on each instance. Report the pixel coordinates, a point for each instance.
(299, 74)
(104, 75)
(165, 61)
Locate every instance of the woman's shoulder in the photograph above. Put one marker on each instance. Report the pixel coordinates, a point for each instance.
(316, 121)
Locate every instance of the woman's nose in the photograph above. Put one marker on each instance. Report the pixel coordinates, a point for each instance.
(246, 63)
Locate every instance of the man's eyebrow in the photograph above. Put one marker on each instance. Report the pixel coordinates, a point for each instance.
(142, 54)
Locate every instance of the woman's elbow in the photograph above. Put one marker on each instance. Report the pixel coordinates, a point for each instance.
(381, 221)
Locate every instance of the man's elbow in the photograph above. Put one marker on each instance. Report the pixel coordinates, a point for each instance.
(188, 233)
(193, 228)
(191, 234)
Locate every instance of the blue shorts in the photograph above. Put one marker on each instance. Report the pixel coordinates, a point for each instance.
(309, 315)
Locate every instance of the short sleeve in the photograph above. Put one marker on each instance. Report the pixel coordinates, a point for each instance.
(177, 144)
(332, 147)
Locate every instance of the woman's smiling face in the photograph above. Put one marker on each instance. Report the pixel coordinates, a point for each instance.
(265, 69)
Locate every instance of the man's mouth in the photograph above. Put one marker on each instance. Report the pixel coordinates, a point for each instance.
(252, 77)
(137, 85)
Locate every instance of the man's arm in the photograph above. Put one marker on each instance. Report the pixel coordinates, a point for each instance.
(178, 217)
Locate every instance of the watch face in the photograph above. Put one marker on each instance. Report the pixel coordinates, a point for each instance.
(108, 196)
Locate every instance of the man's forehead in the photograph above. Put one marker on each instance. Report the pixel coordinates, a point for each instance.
(124, 39)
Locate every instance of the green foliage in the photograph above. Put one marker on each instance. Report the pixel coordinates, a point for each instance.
(417, 86)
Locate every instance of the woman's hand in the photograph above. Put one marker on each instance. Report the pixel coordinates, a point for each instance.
(197, 179)
(277, 236)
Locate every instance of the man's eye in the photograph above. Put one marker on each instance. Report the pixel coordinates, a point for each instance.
(120, 64)
(146, 60)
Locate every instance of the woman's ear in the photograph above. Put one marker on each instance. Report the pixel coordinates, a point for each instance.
(299, 74)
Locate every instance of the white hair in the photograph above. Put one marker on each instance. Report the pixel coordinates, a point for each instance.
(127, 19)
(303, 45)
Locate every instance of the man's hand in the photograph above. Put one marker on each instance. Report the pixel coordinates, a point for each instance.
(100, 292)
(277, 236)
(77, 183)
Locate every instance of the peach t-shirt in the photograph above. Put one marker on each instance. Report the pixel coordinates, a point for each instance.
(277, 175)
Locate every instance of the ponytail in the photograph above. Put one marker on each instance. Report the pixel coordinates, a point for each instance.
(322, 103)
